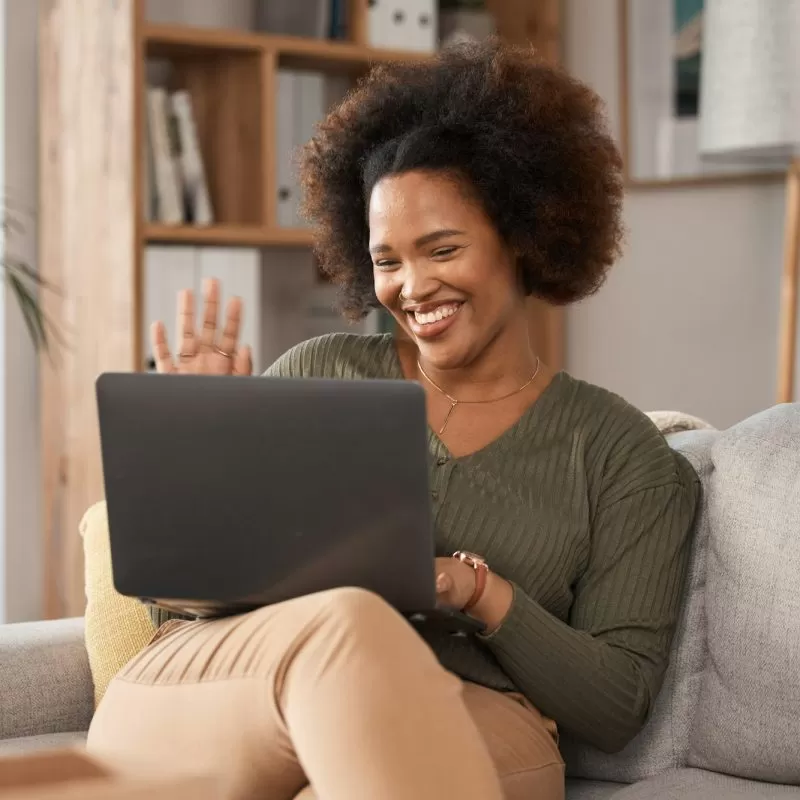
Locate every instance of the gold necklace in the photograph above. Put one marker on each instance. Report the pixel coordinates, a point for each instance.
(454, 402)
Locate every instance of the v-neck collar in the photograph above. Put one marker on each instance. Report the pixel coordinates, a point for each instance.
(528, 420)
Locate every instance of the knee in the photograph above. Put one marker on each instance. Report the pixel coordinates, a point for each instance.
(357, 609)
(366, 619)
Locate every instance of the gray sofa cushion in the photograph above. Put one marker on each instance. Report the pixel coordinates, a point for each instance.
(592, 790)
(664, 742)
(748, 717)
(47, 741)
(696, 784)
(45, 680)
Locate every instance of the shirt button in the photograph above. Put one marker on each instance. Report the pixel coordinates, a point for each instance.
(442, 460)
(434, 494)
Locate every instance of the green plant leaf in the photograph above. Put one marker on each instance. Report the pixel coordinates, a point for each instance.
(24, 282)
(31, 311)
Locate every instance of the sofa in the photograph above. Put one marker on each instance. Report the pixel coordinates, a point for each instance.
(726, 723)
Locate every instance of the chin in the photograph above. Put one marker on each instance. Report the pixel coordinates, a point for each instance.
(444, 355)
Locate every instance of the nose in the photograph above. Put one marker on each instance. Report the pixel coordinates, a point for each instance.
(419, 282)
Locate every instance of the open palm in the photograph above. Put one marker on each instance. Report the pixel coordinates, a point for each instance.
(204, 352)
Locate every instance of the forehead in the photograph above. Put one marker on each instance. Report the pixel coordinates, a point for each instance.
(416, 199)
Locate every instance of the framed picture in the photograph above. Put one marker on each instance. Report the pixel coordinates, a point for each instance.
(661, 50)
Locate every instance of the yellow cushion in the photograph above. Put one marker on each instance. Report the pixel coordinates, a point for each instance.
(117, 627)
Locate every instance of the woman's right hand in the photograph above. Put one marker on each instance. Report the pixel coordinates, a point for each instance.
(203, 352)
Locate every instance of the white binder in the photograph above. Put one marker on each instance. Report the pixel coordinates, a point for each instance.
(379, 22)
(422, 26)
(287, 194)
(309, 91)
(403, 25)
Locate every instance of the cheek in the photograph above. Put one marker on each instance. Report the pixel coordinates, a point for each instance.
(385, 288)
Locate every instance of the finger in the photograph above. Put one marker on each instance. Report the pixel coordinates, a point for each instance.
(233, 319)
(187, 348)
(209, 333)
(243, 361)
(161, 354)
(444, 583)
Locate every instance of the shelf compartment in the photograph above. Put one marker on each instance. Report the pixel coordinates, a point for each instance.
(176, 41)
(227, 235)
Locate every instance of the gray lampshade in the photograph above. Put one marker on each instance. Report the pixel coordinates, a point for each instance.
(750, 80)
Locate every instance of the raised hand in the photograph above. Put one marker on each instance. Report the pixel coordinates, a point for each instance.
(203, 352)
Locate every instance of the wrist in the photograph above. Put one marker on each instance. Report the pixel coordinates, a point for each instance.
(480, 573)
(495, 603)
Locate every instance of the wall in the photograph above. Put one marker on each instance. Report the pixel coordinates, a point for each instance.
(688, 319)
(21, 575)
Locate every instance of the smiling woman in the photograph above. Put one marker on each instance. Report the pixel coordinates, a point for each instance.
(448, 192)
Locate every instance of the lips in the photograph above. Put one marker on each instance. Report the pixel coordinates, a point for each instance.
(433, 321)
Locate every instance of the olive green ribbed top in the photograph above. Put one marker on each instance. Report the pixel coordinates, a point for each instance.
(584, 507)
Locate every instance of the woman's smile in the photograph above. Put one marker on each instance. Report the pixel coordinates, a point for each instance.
(431, 320)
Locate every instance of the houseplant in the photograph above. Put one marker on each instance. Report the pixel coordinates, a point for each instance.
(25, 283)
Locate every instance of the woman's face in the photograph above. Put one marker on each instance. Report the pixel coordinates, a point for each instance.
(441, 268)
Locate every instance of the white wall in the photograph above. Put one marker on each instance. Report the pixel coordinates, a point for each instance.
(3, 559)
(688, 319)
(21, 533)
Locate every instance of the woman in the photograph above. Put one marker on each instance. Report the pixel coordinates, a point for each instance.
(448, 192)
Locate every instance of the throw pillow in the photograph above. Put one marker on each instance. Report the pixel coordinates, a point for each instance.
(747, 721)
(117, 627)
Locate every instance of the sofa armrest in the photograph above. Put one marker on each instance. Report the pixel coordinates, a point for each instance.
(45, 682)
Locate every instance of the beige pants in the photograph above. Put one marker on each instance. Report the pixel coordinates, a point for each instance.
(335, 690)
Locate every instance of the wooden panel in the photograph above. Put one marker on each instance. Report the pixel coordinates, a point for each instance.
(787, 340)
(178, 41)
(88, 167)
(269, 138)
(169, 41)
(229, 112)
(240, 235)
(525, 21)
(357, 21)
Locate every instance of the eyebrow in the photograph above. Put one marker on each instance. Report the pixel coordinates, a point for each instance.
(428, 238)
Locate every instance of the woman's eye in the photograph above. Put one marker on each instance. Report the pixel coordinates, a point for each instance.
(385, 263)
(443, 252)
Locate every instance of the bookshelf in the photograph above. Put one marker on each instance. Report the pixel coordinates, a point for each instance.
(231, 78)
(93, 234)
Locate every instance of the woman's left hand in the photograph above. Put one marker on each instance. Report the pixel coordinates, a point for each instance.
(455, 583)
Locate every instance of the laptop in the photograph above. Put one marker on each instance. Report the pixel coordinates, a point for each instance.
(226, 494)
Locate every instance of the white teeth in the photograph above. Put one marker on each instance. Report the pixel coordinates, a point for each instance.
(434, 316)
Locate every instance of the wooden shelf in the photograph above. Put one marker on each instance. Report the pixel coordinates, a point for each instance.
(177, 41)
(227, 235)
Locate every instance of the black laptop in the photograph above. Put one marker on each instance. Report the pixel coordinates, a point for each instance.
(226, 494)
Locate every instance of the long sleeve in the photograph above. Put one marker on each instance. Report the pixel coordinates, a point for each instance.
(598, 675)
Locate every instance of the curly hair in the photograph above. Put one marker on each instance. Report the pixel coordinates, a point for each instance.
(526, 139)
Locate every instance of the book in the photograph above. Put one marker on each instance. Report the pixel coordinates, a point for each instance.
(165, 146)
(197, 201)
